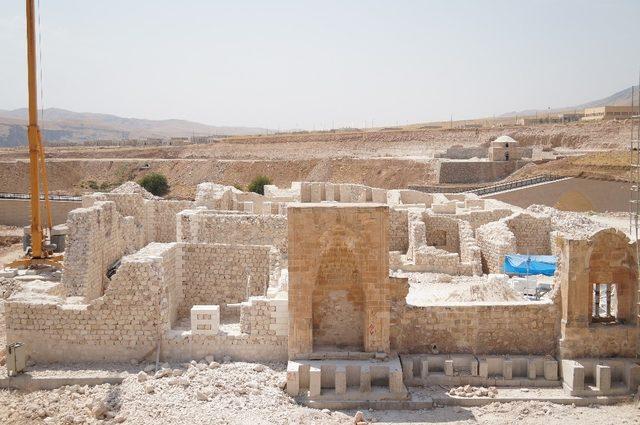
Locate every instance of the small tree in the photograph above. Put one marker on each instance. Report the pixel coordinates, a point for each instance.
(155, 183)
(258, 183)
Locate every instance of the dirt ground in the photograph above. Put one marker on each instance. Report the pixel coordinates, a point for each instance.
(379, 158)
(221, 392)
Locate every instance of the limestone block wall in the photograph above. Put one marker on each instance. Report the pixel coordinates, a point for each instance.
(475, 171)
(221, 274)
(436, 260)
(463, 152)
(398, 230)
(408, 196)
(97, 237)
(495, 241)
(154, 218)
(442, 232)
(125, 323)
(206, 226)
(127, 204)
(355, 193)
(417, 235)
(265, 316)
(162, 217)
(470, 253)
(608, 256)
(477, 218)
(477, 328)
(215, 196)
(532, 233)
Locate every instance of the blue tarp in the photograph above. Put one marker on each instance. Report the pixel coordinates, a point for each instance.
(529, 264)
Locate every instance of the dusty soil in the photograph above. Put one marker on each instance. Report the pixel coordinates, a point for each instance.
(609, 165)
(388, 159)
(240, 393)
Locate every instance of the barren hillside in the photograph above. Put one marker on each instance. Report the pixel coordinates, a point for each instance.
(389, 159)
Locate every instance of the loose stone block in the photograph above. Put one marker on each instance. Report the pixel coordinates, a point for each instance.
(484, 369)
(603, 377)
(424, 371)
(551, 370)
(314, 381)
(205, 319)
(531, 369)
(341, 380)
(474, 367)
(407, 367)
(365, 379)
(448, 367)
(293, 379)
(507, 369)
(395, 381)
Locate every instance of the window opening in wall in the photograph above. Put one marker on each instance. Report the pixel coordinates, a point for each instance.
(604, 307)
(506, 156)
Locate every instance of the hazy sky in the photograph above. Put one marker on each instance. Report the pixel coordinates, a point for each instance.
(307, 64)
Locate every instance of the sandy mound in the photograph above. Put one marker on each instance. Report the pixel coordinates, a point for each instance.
(133, 187)
(567, 222)
(495, 290)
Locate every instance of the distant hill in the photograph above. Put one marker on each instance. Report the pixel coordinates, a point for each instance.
(623, 97)
(61, 124)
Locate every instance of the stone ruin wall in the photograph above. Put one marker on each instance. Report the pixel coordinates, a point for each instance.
(155, 218)
(476, 328)
(468, 172)
(606, 256)
(495, 241)
(532, 233)
(120, 325)
(137, 312)
(520, 233)
(398, 230)
(98, 236)
(203, 226)
(220, 274)
(442, 232)
(463, 152)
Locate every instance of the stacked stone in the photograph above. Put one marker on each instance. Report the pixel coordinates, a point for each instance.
(502, 328)
(98, 236)
(413, 197)
(532, 232)
(163, 218)
(261, 316)
(477, 218)
(495, 241)
(442, 231)
(470, 253)
(398, 230)
(204, 226)
(123, 323)
(222, 274)
(432, 259)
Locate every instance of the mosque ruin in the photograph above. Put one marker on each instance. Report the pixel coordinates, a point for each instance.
(327, 277)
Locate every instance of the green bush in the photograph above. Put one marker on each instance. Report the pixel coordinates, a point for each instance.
(93, 185)
(238, 186)
(257, 184)
(155, 183)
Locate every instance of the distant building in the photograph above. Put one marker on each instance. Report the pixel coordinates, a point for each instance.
(504, 148)
(570, 116)
(609, 113)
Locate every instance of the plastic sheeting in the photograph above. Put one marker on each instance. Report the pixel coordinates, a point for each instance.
(516, 264)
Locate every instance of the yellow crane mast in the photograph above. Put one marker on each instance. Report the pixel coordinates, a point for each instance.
(41, 252)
